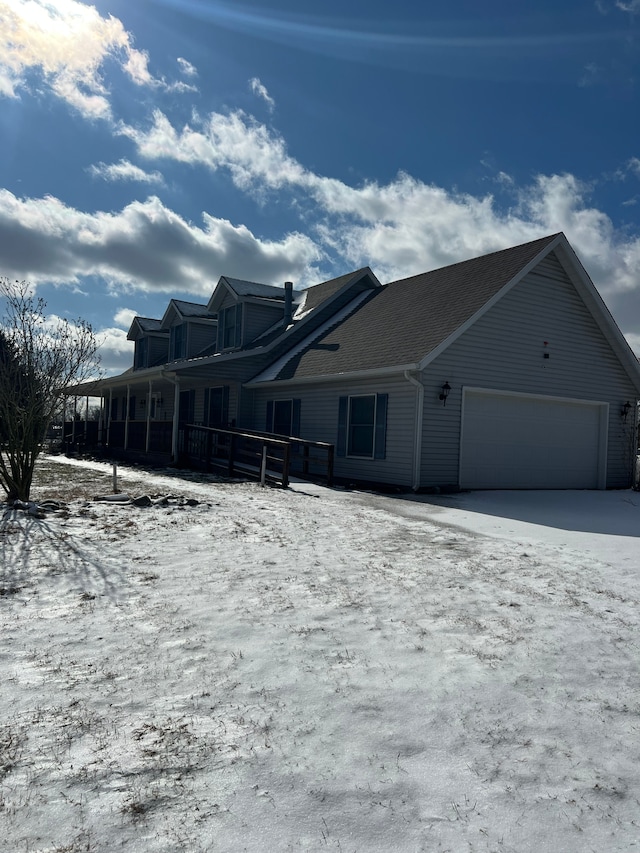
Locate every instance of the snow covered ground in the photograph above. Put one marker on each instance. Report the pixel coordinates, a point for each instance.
(320, 670)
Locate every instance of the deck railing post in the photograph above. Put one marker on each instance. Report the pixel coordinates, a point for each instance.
(208, 452)
(232, 452)
(330, 465)
(263, 465)
(285, 465)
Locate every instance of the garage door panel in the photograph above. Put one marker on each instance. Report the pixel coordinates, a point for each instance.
(523, 442)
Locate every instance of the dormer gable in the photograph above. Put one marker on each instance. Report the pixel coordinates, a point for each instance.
(151, 342)
(191, 327)
(246, 309)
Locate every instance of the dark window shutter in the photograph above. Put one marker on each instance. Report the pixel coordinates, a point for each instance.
(238, 325)
(295, 418)
(379, 450)
(341, 444)
(269, 426)
(207, 412)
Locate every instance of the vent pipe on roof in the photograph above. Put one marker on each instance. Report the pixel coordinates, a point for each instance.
(288, 303)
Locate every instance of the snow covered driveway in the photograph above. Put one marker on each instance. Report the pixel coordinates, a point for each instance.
(315, 670)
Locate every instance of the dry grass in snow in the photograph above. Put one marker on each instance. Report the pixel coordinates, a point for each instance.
(307, 670)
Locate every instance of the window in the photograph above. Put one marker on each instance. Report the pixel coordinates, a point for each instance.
(362, 426)
(142, 349)
(362, 421)
(114, 409)
(177, 341)
(283, 417)
(131, 411)
(216, 406)
(229, 332)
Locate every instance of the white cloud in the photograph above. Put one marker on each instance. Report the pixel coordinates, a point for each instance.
(633, 339)
(590, 75)
(123, 170)
(405, 226)
(115, 351)
(260, 91)
(145, 246)
(632, 6)
(187, 68)
(67, 42)
(124, 317)
(251, 152)
(634, 166)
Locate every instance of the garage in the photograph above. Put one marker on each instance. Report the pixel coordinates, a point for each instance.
(519, 441)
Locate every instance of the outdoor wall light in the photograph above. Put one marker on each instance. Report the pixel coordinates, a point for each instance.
(624, 411)
(444, 393)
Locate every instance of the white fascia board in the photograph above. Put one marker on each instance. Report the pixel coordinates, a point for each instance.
(491, 302)
(352, 375)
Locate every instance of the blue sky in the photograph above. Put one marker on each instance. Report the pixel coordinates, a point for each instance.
(149, 147)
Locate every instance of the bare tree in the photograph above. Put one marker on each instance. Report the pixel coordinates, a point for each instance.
(39, 358)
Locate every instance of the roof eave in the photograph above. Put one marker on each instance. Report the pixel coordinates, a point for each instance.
(369, 373)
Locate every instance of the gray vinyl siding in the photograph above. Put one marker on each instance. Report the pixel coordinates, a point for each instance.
(319, 422)
(504, 350)
(200, 335)
(158, 349)
(227, 302)
(199, 401)
(257, 319)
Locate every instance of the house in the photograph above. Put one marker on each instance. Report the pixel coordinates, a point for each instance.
(503, 371)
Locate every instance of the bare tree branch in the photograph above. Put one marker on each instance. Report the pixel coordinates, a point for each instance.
(39, 357)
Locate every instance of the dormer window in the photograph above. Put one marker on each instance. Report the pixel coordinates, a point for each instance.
(141, 354)
(178, 342)
(229, 327)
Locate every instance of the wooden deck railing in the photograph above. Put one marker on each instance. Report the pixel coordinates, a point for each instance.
(252, 454)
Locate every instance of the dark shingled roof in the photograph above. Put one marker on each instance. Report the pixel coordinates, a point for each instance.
(319, 293)
(404, 321)
(254, 288)
(147, 324)
(192, 309)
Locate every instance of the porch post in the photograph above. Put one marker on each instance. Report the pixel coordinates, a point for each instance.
(101, 420)
(146, 444)
(126, 422)
(176, 419)
(73, 423)
(109, 415)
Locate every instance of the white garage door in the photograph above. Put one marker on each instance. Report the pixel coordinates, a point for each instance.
(514, 441)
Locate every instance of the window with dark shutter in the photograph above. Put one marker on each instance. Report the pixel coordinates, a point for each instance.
(362, 426)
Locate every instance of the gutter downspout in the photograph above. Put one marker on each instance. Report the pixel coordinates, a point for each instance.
(417, 448)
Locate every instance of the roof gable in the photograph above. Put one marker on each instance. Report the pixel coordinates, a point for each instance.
(240, 289)
(143, 326)
(404, 321)
(181, 310)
